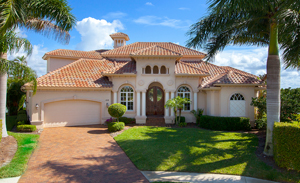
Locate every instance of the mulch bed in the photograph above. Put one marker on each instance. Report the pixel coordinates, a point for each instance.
(8, 148)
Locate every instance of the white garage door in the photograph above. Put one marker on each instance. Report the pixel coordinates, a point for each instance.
(72, 113)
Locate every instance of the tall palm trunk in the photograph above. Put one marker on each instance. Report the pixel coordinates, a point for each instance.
(273, 88)
(3, 89)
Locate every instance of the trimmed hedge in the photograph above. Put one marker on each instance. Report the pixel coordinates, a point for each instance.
(0, 129)
(127, 120)
(286, 138)
(261, 124)
(20, 123)
(182, 119)
(22, 117)
(22, 112)
(115, 126)
(117, 110)
(26, 128)
(225, 123)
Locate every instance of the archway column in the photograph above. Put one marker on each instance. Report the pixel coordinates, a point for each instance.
(166, 99)
(138, 103)
(144, 103)
(172, 110)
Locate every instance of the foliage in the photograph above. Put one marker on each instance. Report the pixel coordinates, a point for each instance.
(182, 119)
(182, 124)
(197, 114)
(22, 117)
(110, 120)
(117, 110)
(261, 103)
(19, 74)
(22, 112)
(115, 126)
(287, 145)
(296, 117)
(11, 121)
(0, 130)
(177, 103)
(20, 123)
(26, 128)
(127, 120)
(198, 150)
(290, 103)
(26, 144)
(225, 123)
(261, 124)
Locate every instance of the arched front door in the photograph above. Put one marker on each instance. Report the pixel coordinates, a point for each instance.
(155, 101)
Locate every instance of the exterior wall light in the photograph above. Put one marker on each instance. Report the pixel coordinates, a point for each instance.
(107, 105)
(36, 106)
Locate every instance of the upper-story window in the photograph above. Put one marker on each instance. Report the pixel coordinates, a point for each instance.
(185, 92)
(163, 70)
(148, 70)
(155, 70)
(127, 97)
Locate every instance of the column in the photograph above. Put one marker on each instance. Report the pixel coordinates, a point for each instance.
(195, 101)
(172, 110)
(167, 98)
(138, 103)
(143, 103)
(115, 97)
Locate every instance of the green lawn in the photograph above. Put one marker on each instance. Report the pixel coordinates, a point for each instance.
(26, 145)
(197, 150)
(10, 122)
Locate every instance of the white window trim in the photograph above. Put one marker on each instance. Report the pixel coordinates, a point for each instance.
(127, 97)
(184, 96)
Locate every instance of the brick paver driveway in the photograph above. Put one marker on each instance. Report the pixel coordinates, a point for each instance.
(80, 154)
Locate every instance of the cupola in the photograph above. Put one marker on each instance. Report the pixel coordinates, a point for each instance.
(119, 39)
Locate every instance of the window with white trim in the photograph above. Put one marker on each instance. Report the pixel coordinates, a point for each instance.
(185, 92)
(127, 97)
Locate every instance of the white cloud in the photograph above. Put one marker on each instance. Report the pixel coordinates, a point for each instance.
(149, 4)
(184, 8)
(114, 15)
(254, 61)
(95, 33)
(20, 32)
(35, 60)
(165, 21)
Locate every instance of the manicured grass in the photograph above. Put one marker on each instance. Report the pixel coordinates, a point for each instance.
(197, 150)
(26, 145)
(10, 122)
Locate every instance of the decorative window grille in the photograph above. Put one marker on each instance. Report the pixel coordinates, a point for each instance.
(185, 92)
(237, 105)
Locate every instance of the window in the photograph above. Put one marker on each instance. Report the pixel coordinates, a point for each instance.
(155, 70)
(185, 92)
(148, 70)
(127, 97)
(237, 105)
(163, 70)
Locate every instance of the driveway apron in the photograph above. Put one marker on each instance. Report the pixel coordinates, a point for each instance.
(79, 154)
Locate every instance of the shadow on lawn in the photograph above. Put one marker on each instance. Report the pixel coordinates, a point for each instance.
(196, 150)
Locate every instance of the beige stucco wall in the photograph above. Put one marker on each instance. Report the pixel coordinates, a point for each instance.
(43, 97)
(54, 63)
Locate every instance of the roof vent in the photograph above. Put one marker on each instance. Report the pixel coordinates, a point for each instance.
(119, 39)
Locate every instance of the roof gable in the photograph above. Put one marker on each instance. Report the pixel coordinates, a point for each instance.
(74, 53)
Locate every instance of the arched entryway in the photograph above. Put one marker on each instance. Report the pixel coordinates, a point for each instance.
(155, 100)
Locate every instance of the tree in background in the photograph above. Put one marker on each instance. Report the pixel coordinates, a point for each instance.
(254, 23)
(52, 18)
(18, 75)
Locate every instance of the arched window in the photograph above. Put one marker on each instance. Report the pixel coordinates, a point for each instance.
(237, 105)
(185, 92)
(127, 97)
(148, 70)
(163, 70)
(155, 70)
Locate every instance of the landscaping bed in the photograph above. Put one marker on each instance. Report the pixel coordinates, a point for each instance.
(199, 150)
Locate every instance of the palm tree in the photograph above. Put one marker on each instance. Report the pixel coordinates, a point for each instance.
(254, 23)
(177, 103)
(52, 18)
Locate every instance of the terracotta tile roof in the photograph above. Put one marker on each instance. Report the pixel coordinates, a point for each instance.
(223, 75)
(121, 67)
(137, 46)
(182, 67)
(75, 53)
(120, 34)
(155, 50)
(81, 73)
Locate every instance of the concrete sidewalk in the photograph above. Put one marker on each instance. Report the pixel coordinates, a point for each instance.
(10, 180)
(154, 176)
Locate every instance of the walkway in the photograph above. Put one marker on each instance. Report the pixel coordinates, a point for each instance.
(80, 154)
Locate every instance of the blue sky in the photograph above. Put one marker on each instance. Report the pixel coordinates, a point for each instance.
(160, 21)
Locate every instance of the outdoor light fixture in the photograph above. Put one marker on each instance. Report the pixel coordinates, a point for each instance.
(36, 106)
(107, 105)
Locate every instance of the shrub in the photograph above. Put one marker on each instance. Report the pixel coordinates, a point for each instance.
(0, 129)
(225, 123)
(182, 119)
(182, 124)
(22, 117)
(198, 114)
(117, 110)
(110, 120)
(286, 140)
(296, 117)
(127, 120)
(20, 123)
(26, 128)
(115, 126)
(261, 124)
(22, 112)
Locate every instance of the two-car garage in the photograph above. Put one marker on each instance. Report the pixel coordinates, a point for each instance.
(72, 113)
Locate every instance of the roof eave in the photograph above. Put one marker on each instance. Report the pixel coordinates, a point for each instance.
(66, 88)
(167, 56)
(125, 74)
(192, 75)
(239, 84)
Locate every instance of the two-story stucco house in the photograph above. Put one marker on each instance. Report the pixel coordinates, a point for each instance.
(80, 85)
